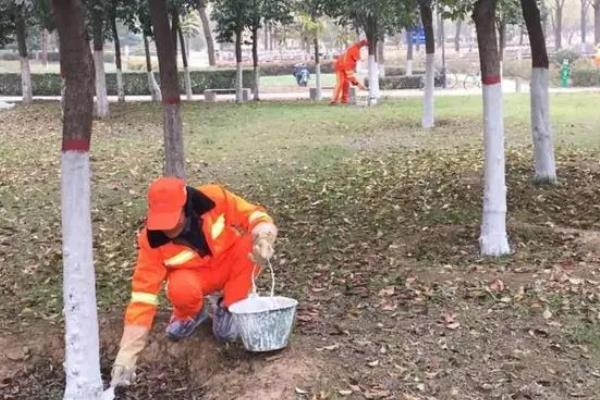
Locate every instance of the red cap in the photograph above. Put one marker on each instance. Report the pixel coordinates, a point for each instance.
(363, 42)
(166, 198)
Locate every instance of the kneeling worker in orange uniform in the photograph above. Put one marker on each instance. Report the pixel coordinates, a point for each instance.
(345, 67)
(199, 241)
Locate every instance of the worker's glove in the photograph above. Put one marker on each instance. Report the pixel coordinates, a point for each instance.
(263, 235)
(132, 343)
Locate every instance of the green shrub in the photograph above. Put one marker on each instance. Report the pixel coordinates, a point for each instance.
(402, 82)
(135, 83)
(585, 73)
(568, 54)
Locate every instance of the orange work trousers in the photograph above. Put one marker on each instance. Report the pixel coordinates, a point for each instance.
(342, 88)
(230, 272)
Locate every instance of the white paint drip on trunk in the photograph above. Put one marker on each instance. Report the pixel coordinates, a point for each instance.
(428, 105)
(188, 83)
(154, 88)
(239, 84)
(82, 348)
(373, 80)
(541, 131)
(493, 240)
(101, 96)
(409, 67)
(319, 95)
(120, 88)
(26, 88)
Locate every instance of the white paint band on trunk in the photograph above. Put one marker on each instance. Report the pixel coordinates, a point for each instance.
(409, 67)
(154, 88)
(319, 95)
(541, 130)
(239, 84)
(493, 240)
(373, 80)
(101, 96)
(188, 83)
(428, 105)
(120, 88)
(26, 88)
(82, 347)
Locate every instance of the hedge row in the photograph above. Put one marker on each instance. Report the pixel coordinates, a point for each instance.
(134, 83)
(403, 82)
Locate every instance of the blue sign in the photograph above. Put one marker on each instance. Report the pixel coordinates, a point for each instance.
(417, 35)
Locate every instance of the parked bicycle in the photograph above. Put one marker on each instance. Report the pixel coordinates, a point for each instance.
(439, 77)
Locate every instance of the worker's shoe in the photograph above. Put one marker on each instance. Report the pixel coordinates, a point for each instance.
(224, 327)
(183, 328)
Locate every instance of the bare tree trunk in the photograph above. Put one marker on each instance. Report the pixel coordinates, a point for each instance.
(266, 36)
(82, 344)
(44, 39)
(440, 30)
(102, 110)
(26, 89)
(169, 84)
(584, 8)
(428, 102)
(457, 35)
(118, 64)
(239, 85)
(210, 44)
(493, 239)
(319, 95)
(558, 24)
(409, 53)
(152, 85)
(186, 71)
(541, 130)
(256, 72)
(597, 21)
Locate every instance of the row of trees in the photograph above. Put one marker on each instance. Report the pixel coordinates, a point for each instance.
(374, 18)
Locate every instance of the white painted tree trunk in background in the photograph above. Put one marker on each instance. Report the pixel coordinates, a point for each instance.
(373, 80)
(120, 88)
(545, 167)
(409, 67)
(428, 105)
(154, 88)
(239, 83)
(188, 83)
(26, 88)
(101, 96)
(318, 82)
(381, 69)
(82, 352)
(256, 77)
(493, 240)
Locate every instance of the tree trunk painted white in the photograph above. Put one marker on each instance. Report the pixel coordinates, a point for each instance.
(373, 80)
(120, 88)
(154, 88)
(101, 96)
(545, 167)
(256, 85)
(239, 98)
(409, 67)
(319, 95)
(188, 83)
(26, 88)
(82, 360)
(428, 105)
(493, 240)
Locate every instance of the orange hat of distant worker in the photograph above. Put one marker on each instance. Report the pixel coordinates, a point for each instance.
(166, 198)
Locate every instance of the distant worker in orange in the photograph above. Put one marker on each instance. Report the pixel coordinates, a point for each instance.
(597, 57)
(345, 68)
(198, 241)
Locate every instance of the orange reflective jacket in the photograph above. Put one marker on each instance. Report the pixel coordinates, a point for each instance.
(347, 61)
(223, 218)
